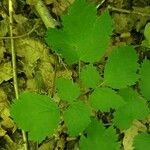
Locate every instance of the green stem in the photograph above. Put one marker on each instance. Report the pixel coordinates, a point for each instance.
(14, 62)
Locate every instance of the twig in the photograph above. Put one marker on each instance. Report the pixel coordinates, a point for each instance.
(10, 5)
(61, 62)
(21, 36)
(100, 4)
(101, 84)
(127, 11)
(43, 12)
(54, 80)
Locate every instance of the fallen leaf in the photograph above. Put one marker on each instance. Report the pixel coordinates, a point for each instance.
(131, 133)
(2, 132)
(5, 71)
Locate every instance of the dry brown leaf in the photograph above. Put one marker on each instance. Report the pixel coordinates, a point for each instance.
(47, 146)
(47, 2)
(47, 76)
(66, 73)
(131, 133)
(3, 100)
(2, 50)
(31, 51)
(3, 27)
(7, 123)
(5, 71)
(2, 132)
(60, 6)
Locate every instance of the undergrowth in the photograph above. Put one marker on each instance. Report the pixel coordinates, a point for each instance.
(122, 89)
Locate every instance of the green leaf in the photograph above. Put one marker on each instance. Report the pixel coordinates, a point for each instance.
(84, 35)
(142, 142)
(37, 114)
(121, 67)
(145, 79)
(99, 138)
(77, 118)
(105, 98)
(89, 76)
(147, 31)
(135, 108)
(67, 90)
(146, 42)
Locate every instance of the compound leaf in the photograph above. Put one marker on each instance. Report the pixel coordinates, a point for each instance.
(99, 138)
(67, 89)
(77, 118)
(105, 98)
(89, 76)
(37, 114)
(135, 108)
(141, 141)
(84, 35)
(145, 79)
(120, 70)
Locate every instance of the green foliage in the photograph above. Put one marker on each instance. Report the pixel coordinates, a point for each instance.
(145, 79)
(141, 141)
(89, 76)
(146, 42)
(77, 118)
(37, 114)
(120, 70)
(67, 90)
(99, 138)
(84, 36)
(135, 108)
(105, 98)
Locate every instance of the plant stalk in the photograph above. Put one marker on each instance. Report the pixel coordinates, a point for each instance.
(43, 12)
(14, 68)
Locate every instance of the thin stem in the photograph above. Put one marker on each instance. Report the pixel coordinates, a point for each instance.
(79, 70)
(14, 62)
(101, 3)
(12, 49)
(101, 84)
(20, 36)
(128, 11)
